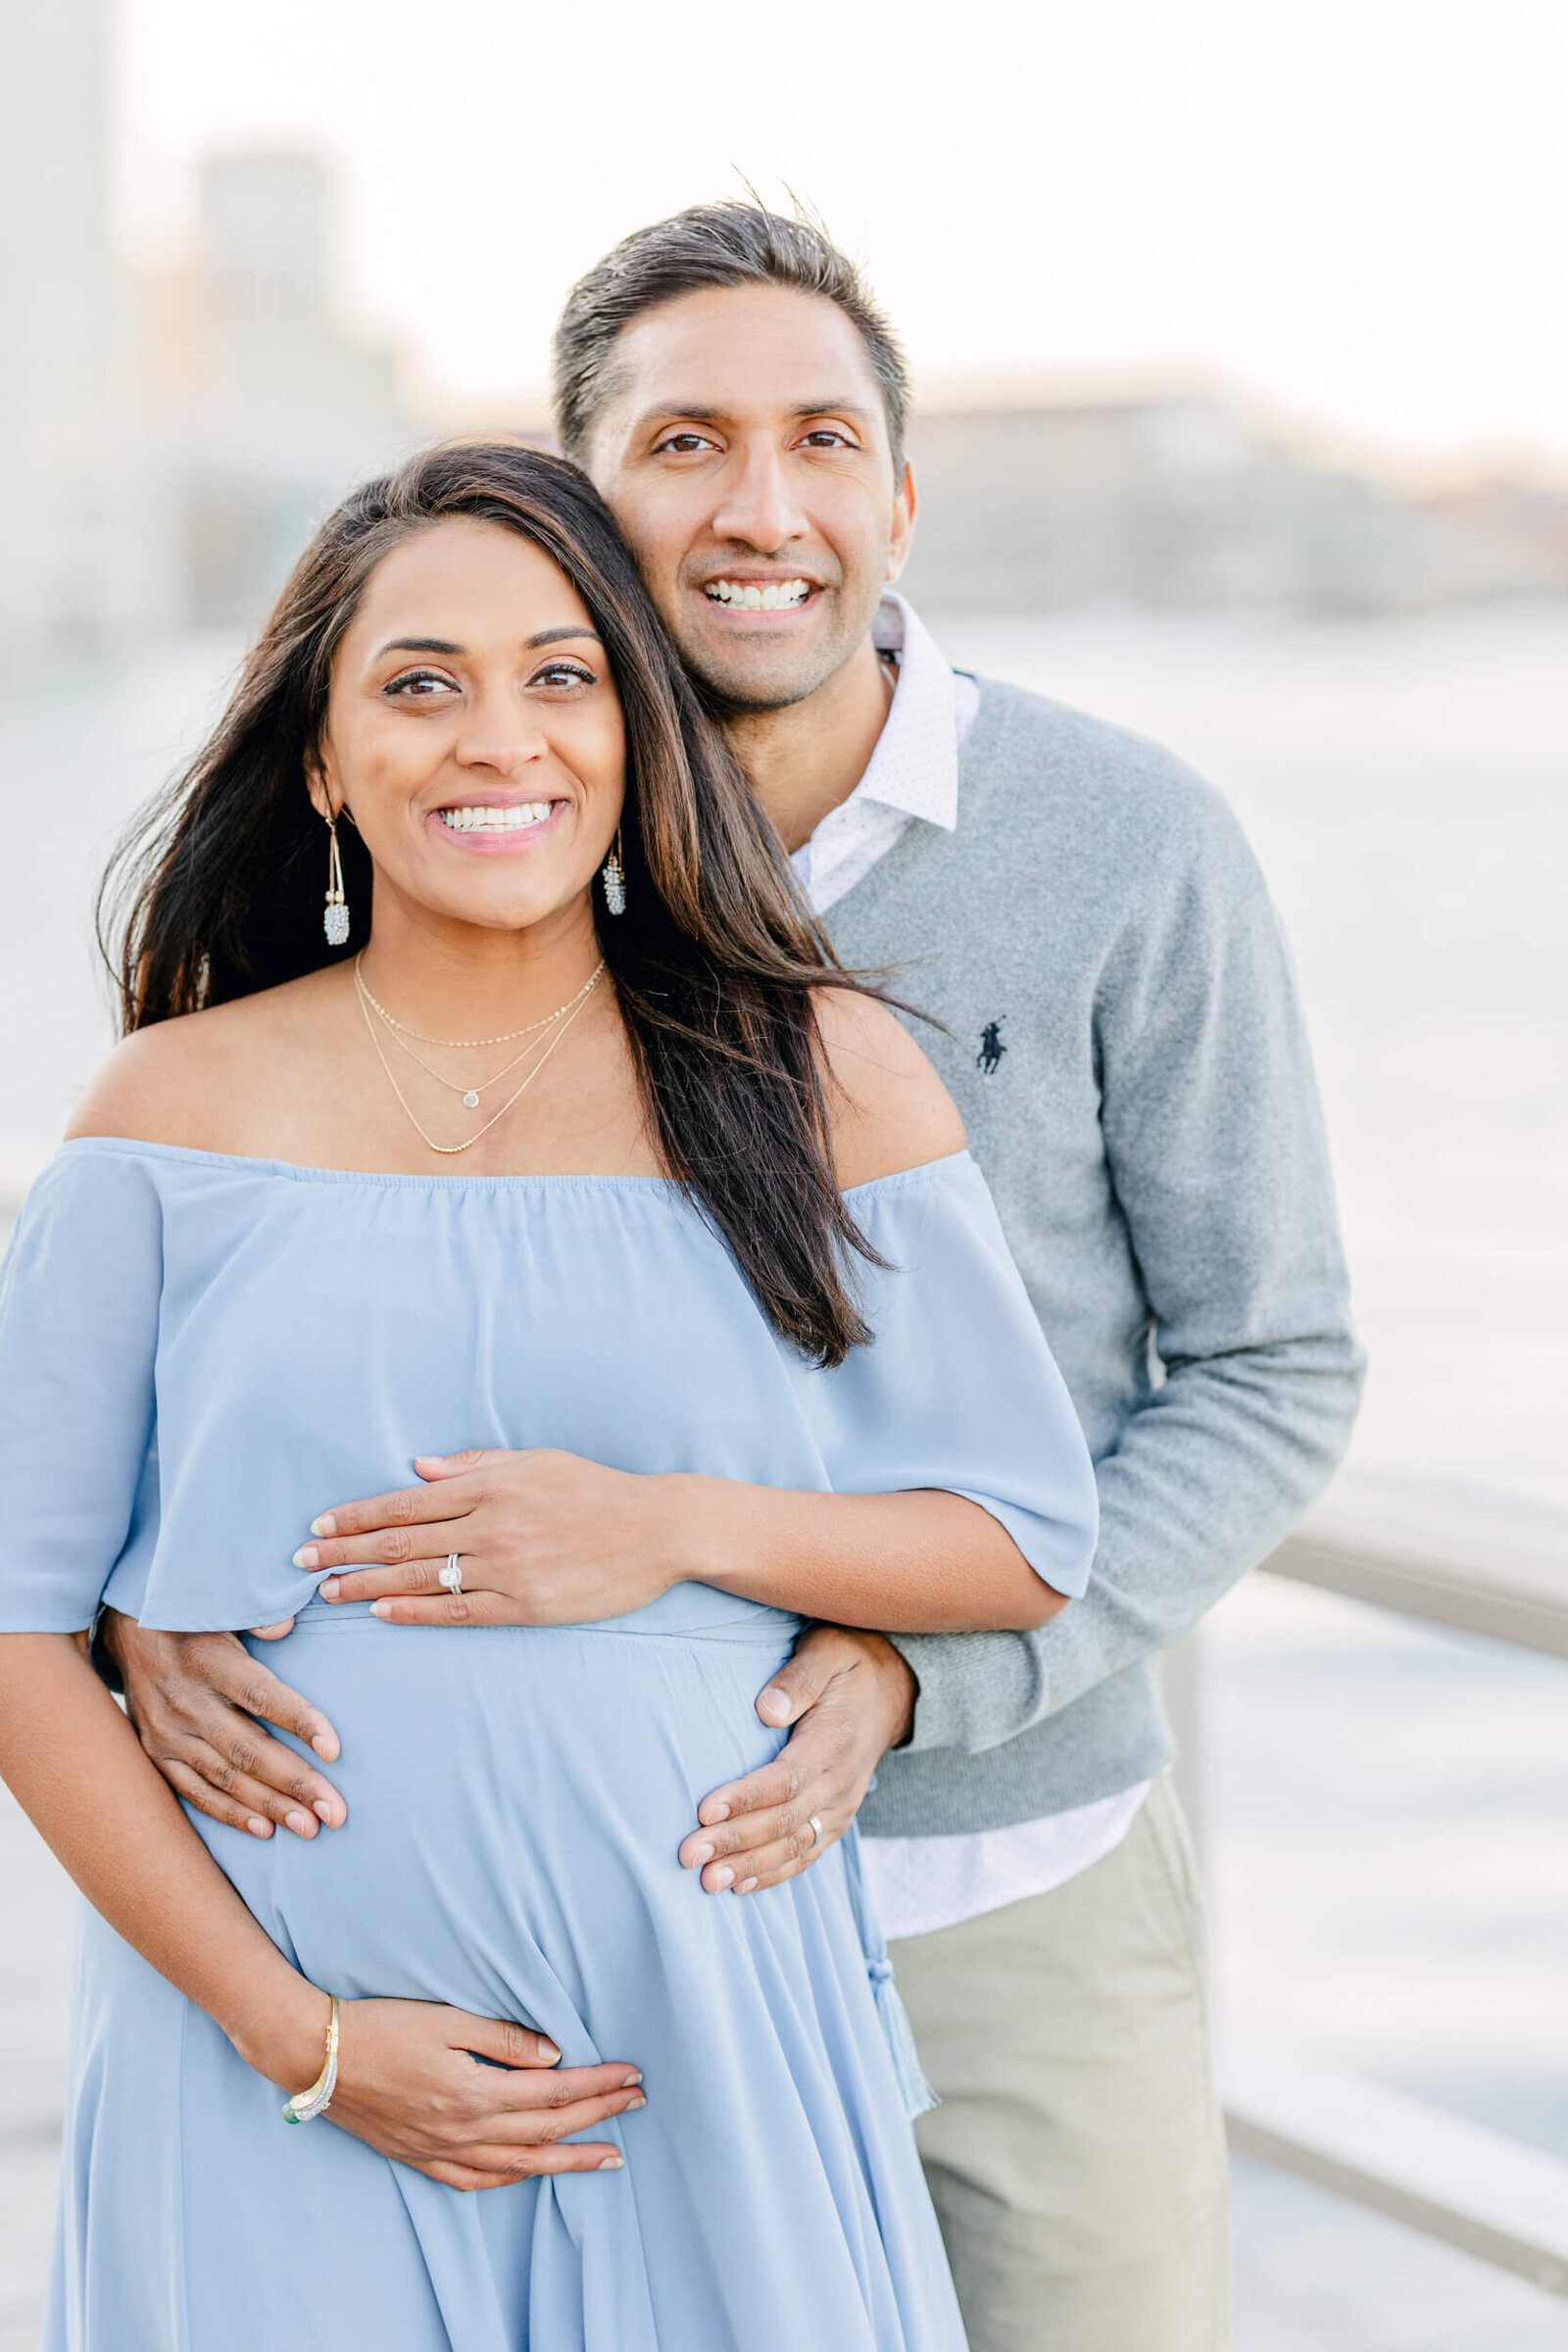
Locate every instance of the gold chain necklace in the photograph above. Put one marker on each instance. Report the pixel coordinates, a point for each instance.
(451, 1150)
(456, 1086)
(456, 1044)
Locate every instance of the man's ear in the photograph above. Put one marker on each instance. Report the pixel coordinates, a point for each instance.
(904, 505)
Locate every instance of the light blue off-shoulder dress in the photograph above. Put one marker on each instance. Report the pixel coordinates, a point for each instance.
(198, 1354)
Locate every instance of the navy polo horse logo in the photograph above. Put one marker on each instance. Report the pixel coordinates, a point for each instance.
(992, 1048)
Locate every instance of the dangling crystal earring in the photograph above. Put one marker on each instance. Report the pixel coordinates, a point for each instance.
(335, 915)
(613, 876)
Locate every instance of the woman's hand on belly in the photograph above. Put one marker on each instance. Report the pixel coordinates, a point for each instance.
(541, 1538)
(409, 2084)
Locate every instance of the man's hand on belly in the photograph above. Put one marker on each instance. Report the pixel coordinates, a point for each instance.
(851, 1698)
(198, 1702)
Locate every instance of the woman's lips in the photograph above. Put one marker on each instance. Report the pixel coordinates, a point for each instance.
(481, 836)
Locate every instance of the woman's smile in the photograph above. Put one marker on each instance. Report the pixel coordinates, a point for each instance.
(490, 828)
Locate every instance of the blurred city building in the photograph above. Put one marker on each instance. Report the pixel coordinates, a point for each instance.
(261, 405)
(1181, 497)
(68, 551)
(172, 436)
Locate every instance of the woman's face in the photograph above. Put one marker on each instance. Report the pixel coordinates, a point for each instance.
(474, 732)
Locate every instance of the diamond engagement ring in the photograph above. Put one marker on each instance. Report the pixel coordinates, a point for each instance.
(815, 1828)
(450, 1576)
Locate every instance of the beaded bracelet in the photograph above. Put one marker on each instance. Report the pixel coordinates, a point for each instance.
(305, 2105)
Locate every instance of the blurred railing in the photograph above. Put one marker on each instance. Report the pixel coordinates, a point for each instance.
(1479, 1566)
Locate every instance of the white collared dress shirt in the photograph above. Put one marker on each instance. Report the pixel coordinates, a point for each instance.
(921, 1883)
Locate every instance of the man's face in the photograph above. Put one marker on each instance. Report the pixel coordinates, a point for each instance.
(745, 452)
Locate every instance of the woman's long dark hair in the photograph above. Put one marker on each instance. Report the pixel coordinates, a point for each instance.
(218, 891)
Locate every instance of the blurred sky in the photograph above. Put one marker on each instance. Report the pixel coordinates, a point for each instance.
(1355, 207)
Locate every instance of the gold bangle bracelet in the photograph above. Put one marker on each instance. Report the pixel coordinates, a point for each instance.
(305, 2105)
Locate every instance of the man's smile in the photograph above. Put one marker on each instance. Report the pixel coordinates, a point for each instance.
(757, 603)
(759, 596)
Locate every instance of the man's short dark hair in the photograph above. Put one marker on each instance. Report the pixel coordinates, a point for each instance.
(709, 245)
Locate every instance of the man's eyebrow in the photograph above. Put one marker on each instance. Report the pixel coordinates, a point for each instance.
(694, 410)
(667, 410)
(834, 408)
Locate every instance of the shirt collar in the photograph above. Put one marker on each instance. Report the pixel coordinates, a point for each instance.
(914, 766)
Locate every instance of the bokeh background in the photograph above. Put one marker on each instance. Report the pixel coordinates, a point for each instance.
(1242, 419)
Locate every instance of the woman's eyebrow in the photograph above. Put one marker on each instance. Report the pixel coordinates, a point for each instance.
(445, 645)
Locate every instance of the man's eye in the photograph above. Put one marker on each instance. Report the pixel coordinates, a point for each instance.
(419, 685)
(684, 445)
(825, 437)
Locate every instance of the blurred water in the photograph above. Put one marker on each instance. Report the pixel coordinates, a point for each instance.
(1405, 785)
(1389, 1862)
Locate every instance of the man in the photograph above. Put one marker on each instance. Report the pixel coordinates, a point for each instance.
(1123, 1039)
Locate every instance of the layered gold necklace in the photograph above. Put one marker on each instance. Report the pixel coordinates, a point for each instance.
(543, 1037)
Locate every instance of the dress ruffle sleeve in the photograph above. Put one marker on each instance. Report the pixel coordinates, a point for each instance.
(79, 1333)
(958, 1389)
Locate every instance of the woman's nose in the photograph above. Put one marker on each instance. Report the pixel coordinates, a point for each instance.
(506, 742)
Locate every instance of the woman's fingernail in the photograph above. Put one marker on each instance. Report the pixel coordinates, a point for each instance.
(632, 2105)
(613, 2164)
(299, 1823)
(259, 1828)
(700, 1855)
(548, 2050)
(380, 1608)
(631, 2081)
(330, 1587)
(306, 1556)
(326, 1525)
(723, 1878)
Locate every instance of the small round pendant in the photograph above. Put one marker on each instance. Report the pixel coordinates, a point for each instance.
(470, 1100)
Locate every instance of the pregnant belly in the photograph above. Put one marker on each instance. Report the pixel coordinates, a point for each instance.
(516, 1799)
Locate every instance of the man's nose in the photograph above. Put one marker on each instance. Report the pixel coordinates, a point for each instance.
(758, 507)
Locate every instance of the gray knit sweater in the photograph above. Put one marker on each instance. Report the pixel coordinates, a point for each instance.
(1127, 1053)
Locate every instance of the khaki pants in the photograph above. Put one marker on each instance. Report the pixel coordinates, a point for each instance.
(1077, 2162)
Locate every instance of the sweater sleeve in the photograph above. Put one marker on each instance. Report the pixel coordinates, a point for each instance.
(1215, 1147)
(78, 1334)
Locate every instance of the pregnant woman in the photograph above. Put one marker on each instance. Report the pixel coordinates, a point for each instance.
(488, 1086)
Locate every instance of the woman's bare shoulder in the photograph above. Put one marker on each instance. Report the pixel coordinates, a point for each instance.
(186, 1081)
(888, 1109)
